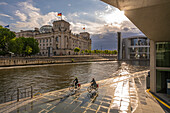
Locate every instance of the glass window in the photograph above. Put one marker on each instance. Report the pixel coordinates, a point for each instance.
(46, 40)
(56, 46)
(56, 39)
(161, 80)
(163, 54)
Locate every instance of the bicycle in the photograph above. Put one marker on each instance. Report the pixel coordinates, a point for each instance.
(93, 87)
(72, 87)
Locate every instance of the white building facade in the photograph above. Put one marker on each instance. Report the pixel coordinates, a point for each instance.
(58, 39)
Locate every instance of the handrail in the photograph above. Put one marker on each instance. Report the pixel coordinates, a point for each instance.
(17, 94)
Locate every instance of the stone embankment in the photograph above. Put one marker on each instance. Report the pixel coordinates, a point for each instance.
(15, 61)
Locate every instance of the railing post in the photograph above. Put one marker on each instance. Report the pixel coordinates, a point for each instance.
(11, 97)
(17, 94)
(25, 92)
(31, 92)
(4, 97)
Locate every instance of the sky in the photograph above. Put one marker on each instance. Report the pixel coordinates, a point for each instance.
(101, 20)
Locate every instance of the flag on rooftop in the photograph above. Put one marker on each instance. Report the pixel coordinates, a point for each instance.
(6, 26)
(59, 14)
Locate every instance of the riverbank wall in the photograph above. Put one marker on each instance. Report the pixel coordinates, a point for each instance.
(21, 61)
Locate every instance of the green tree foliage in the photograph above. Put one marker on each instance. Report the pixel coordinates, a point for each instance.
(108, 52)
(86, 51)
(82, 52)
(76, 50)
(28, 50)
(114, 52)
(90, 51)
(24, 46)
(5, 36)
(33, 44)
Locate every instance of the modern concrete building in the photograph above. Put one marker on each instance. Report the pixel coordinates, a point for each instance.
(136, 47)
(152, 18)
(58, 39)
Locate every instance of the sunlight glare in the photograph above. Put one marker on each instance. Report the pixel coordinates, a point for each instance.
(115, 17)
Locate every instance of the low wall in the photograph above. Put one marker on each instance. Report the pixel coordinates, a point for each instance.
(52, 60)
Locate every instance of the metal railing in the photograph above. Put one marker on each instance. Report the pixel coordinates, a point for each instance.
(16, 94)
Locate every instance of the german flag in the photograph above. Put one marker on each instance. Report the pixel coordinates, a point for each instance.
(59, 14)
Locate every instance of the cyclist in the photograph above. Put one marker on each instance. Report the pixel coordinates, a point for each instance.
(93, 83)
(75, 82)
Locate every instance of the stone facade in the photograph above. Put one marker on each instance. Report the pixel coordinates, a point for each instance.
(58, 39)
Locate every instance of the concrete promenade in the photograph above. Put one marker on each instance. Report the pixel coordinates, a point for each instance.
(122, 94)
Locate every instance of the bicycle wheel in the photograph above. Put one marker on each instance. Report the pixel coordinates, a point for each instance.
(96, 89)
(89, 89)
(71, 88)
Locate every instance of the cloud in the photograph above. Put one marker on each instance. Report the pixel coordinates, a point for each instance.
(3, 3)
(5, 15)
(102, 22)
(31, 17)
(22, 16)
(28, 6)
(126, 29)
(69, 5)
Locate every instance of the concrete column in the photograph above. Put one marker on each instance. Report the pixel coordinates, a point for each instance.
(152, 66)
(119, 48)
(148, 49)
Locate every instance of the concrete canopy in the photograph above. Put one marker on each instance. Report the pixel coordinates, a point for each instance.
(152, 17)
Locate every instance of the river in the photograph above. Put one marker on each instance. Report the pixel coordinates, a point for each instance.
(54, 77)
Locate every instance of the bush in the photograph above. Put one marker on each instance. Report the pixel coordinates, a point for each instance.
(72, 60)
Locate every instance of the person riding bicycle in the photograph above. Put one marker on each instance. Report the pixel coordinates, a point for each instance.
(93, 83)
(75, 82)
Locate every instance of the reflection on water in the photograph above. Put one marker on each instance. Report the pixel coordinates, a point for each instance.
(50, 78)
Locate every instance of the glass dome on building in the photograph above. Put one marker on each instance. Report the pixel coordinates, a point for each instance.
(46, 29)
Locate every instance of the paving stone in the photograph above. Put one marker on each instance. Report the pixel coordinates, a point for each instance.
(59, 108)
(106, 100)
(85, 104)
(105, 104)
(102, 109)
(97, 102)
(114, 111)
(94, 106)
(90, 111)
(71, 107)
(79, 110)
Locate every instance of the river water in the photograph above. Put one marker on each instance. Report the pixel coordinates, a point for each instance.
(54, 77)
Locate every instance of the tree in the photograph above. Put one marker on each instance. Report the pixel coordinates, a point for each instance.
(24, 46)
(33, 44)
(76, 50)
(106, 51)
(5, 36)
(82, 52)
(13, 45)
(86, 51)
(28, 50)
(90, 52)
(114, 52)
